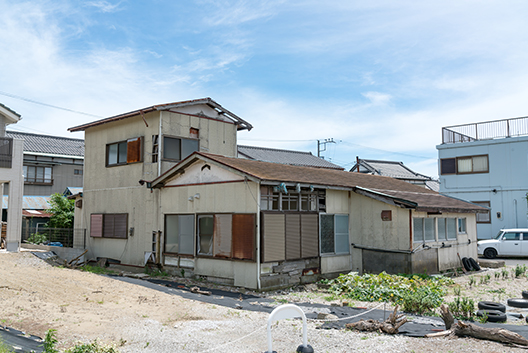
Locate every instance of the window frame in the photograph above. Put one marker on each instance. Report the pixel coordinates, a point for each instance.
(273, 200)
(181, 152)
(179, 235)
(336, 234)
(459, 225)
(35, 180)
(133, 152)
(100, 220)
(443, 166)
(485, 204)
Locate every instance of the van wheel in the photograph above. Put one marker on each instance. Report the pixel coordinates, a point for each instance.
(490, 253)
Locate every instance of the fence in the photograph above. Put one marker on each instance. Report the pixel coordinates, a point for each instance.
(66, 237)
(485, 130)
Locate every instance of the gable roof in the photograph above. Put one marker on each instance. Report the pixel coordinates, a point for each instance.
(374, 186)
(241, 123)
(395, 170)
(273, 155)
(46, 144)
(12, 116)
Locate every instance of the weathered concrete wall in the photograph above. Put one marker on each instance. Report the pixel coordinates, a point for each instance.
(287, 273)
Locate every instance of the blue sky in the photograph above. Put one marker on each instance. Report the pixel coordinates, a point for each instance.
(381, 77)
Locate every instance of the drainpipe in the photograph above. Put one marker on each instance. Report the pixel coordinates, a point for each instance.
(258, 234)
(410, 230)
(160, 141)
(515, 213)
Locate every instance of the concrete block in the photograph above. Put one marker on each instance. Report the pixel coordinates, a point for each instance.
(491, 263)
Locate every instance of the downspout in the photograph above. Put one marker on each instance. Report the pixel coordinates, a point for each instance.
(515, 213)
(160, 143)
(410, 230)
(258, 235)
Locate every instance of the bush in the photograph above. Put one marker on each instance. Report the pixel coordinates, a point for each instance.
(462, 308)
(93, 347)
(416, 293)
(37, 238)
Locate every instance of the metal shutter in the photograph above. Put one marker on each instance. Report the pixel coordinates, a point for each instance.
(244, 236)
(293, 236)
(273, 237)
(96, 225)
(309, 235)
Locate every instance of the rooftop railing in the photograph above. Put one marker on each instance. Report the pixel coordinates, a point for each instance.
(485, 131)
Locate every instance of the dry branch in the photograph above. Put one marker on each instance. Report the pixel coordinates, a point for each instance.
(390, 326)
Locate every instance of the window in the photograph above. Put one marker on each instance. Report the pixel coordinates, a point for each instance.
(305, 200)
(123, 152)
(511, 236)
(486, 216)
(418, 229)
(179, 234)
(461, 226)
(334, 234)
(447, 229)
(429, 229)
(229, 236)
(155, 148)
(448, 166)
(205, 234)
(464, 165)
(78, 172)
(109, 225)
(37, 175)
(178, 148)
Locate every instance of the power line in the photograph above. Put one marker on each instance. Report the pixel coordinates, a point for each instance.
(47, 105)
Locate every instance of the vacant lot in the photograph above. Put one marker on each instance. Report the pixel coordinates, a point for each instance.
(83, 306)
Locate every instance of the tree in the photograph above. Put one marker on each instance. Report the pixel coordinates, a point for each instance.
(61, 210)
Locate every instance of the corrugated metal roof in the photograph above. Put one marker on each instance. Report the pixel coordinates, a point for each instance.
(49, 144)
(34, 213)
(388, 168)
(290, 157)
(426, 200)
(30, 202)
(71, 190)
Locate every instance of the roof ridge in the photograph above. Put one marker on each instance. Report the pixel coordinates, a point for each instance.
(276, 149)
(43, 135)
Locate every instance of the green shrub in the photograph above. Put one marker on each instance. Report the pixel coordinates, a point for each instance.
(93, 347)
(462, 308)
(37, 238)
(416, 293)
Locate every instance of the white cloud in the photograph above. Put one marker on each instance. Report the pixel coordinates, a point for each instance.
(377, 98)
(104, 6)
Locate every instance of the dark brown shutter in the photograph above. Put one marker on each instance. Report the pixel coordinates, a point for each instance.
(273, 239)
(134, 150)
(309, 235)
(108, 226)
(96, 225)
(244, 236)
(120, 225)
(293, 236)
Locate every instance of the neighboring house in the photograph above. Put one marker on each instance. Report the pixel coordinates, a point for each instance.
(273, 155)
(487, 163)
(163, 184)
(11, 174)
(396, 170)
(51, 163)
(34, 215)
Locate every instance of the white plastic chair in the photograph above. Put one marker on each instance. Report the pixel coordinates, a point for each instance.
(288, 311)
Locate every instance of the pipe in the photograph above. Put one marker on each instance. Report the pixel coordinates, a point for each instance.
(160, 140)
(257, 226)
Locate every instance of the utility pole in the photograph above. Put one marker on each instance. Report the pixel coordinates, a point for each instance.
(323, 144)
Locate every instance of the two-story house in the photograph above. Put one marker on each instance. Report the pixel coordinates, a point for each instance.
(487, 163)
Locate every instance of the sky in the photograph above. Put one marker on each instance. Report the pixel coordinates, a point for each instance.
(379, 78)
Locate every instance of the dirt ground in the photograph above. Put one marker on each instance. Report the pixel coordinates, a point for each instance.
(83, 306)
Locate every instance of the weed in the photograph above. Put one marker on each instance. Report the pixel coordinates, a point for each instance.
(50, 341)
(472, 281)
(497, 275)
(37, 239)
(4, 348)
(504, 273)
(520, 270)
(457, 290)
(96, 269)
(462, 308)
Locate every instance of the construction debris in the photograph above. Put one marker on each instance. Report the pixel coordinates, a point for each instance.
(390, 326)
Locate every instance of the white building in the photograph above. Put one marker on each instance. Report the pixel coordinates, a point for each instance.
(487, 163)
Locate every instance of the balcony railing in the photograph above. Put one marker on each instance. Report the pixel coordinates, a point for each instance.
(485, 131)
(6, 152)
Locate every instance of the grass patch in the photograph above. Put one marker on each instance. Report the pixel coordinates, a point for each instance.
(96, 269)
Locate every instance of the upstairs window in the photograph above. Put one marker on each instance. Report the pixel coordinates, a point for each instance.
(176, 149)
(37, 175)
(486, 216)
(123, 152)
(464, 165)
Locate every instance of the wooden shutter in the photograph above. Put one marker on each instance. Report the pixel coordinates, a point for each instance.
(96, 225)
(134, 150)
(293, 236)
(222, 235)
(273, 239)
(244, 236)
(309, 235)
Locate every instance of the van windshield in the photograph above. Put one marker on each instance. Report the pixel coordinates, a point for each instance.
(498, 235)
